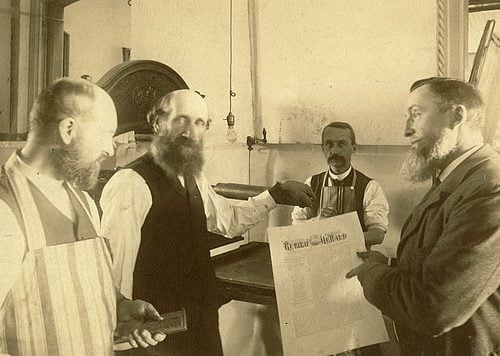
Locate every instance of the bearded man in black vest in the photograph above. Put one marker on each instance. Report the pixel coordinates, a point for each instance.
(157, 211)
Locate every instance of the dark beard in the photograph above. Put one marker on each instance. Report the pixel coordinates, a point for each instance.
(73, 169)
(181, 155)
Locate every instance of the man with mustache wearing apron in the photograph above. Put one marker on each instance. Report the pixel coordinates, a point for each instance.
(342, 189)
(57, 295)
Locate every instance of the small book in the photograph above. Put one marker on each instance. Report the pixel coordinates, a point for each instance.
(173, 322)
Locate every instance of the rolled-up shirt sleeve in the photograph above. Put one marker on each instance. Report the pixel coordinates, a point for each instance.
(376, 207)
(230, 217)
(12, 242)
(125, 202)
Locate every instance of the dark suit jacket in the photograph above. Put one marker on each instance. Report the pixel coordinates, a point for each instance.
(444, 295)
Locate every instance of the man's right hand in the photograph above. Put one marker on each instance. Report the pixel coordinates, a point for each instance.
(130, 323)
(327, 213)
(292, 193)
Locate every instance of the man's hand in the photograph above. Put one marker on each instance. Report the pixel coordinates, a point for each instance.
(368, 257)
(131, 316)
(327, 213)
(374, 236)
(292, 193)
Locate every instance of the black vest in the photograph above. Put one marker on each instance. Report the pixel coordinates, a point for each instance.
(173, 266)
(359, 190)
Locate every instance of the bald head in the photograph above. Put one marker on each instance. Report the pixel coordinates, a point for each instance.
(74, 98)
(72, 124)
(182, 102)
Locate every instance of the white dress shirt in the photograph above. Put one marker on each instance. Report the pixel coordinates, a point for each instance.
(375, 205)
(126, 200)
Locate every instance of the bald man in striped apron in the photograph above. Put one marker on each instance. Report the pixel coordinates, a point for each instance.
(57, 295)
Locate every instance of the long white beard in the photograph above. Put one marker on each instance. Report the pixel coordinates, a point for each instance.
(423, 160)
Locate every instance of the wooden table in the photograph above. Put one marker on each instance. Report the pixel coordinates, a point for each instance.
(246, 274)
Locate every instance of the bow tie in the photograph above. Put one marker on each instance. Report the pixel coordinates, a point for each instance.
(338, 182)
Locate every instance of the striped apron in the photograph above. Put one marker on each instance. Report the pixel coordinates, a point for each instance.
(342, 199)
(63, 302)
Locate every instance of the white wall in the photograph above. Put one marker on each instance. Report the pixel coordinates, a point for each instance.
(317, 61)
(192, 37)
(98, 30)
(342, 60)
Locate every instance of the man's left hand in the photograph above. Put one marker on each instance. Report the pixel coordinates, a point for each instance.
(292, 193)
(131, 316)
(368, 257)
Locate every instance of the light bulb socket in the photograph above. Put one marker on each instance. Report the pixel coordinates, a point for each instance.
(230, 119)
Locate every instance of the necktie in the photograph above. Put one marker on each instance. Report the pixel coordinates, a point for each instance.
(191, 189)
(435, 180)
(195, 203)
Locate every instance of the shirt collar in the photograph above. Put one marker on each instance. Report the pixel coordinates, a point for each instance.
(36, 177)
(340, 176)
(454, 164)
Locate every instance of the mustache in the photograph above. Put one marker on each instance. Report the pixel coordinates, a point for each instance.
(101, 159)
(335, 157)
(183, 140)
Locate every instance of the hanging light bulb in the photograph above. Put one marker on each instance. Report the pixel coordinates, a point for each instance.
(231, 132)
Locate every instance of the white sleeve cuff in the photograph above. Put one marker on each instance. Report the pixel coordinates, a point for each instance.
(265, 200)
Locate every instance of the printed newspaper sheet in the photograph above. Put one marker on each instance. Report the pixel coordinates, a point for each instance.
(321, 312)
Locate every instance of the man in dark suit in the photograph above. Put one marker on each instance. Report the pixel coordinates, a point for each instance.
(443, 292)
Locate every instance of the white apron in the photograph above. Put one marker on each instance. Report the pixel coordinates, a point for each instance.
(63, 302)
